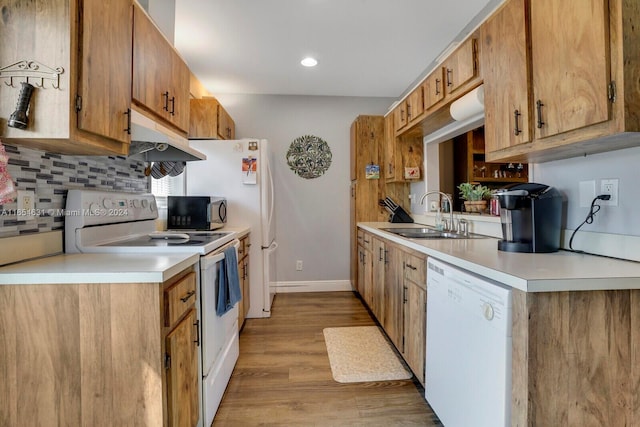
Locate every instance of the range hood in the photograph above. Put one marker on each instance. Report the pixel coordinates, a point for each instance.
(467, 113)
(151, 142)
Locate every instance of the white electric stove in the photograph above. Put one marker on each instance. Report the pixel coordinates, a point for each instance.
(109, 222)
(99, 222)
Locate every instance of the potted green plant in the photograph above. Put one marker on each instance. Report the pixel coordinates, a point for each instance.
(475, 196)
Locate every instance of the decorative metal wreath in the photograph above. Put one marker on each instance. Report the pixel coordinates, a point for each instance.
(309, 156)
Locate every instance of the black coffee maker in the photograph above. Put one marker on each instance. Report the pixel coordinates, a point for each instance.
(531, 217)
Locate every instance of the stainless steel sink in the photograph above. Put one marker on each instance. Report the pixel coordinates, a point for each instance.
(429, 233)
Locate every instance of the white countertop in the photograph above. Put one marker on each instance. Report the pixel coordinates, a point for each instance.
(559, 271)
(97, 268)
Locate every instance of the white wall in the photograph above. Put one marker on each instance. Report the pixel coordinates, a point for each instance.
(565, 175)
(312, 215)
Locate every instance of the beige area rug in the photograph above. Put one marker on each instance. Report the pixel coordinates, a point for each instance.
(362, 353)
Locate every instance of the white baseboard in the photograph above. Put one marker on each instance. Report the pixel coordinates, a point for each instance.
(315, 286)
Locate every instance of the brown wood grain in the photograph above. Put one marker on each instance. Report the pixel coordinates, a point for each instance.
(104, 68)
(8, 355)
(203, 118)
(182, 376)
(179, 298)
(570, 64)
(415, 329)
(434, 88)
(179, 89)
(377, 305)
(506, 69)
(575, 358)
(520, 359)
(95, 347)
(137, 354)
(460, 67)
(391, 319)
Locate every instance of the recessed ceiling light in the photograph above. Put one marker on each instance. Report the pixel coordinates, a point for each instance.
(309, 62)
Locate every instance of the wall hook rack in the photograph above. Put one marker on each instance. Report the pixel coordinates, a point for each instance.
(25, 70)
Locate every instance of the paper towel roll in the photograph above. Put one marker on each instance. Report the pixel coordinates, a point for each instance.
(469, 105)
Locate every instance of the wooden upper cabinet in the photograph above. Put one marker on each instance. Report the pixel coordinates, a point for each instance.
(461, 66)
(104, 85)
(575, 86)
(209, 120)
(160, 76)
(400, 115)
(415, 104)
(82, 109)
(433, 88)
(226, 126)
(570, 59)
(506, 71)
(179, 112)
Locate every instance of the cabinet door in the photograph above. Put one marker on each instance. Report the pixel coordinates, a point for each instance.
(433, 91)
(570, 61)
(179, 92)
(415, 105)
(203, 118)
(365, 279)
(392, 320)
(367, 133)
(182, 376)
(415, 328)
(389, 148)
(506, 72)
(104, 75)
(400, 115)
(460, 67)
(151, 60)
(226, 127)
(379, 271)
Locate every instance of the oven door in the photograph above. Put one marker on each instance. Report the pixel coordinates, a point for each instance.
(219, 335)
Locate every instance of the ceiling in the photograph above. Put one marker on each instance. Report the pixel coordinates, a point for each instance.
(375, 48)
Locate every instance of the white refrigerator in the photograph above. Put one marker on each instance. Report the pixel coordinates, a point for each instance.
(240, 170)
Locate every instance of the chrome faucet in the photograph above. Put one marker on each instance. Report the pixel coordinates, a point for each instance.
(446, 196)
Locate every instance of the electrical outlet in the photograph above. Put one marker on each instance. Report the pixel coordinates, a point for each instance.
(610, 187)
(299, 265)
(26, 205)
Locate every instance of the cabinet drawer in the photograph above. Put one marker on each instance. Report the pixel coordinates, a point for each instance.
(178, 298)
(365, 240)
(243, 249)
(415, 270)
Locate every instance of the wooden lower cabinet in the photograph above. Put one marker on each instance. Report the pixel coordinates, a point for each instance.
(99, 354)
(182, 372)
(415, 313)
(379, 273)
(392, 282)
(243, 271)
(575, 358)
(393, 305)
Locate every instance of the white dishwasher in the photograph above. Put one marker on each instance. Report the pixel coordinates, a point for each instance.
(468, 354)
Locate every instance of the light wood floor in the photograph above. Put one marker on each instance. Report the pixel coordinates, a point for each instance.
(283, 376)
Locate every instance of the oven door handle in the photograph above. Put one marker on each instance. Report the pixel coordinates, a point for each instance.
(218, 255)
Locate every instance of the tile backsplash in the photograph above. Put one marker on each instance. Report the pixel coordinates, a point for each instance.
(51, 175)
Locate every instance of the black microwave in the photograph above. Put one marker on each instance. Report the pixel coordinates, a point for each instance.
(196, 212)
